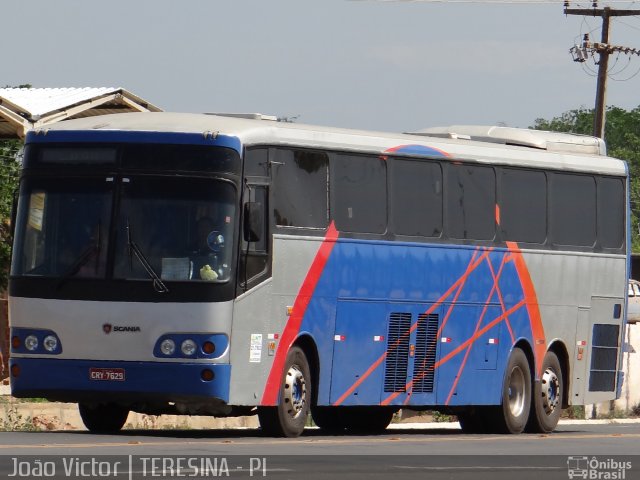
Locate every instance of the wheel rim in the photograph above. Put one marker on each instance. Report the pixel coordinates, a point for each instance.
(295, 391)
(550, 387)
(517, 389)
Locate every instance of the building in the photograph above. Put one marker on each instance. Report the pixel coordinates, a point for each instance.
(23, 109)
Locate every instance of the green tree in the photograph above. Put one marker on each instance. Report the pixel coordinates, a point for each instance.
(622, 134)
(9, 171)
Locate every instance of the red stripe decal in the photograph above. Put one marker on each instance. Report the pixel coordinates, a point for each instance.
(494, 289)
(291, 330)
(531, 299)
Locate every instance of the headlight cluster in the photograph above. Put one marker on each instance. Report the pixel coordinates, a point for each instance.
(28, 340)
(184, 345)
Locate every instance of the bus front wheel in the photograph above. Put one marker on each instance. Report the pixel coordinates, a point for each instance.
(512, 415)
(103, 418)
(546, 405)
(289, 417)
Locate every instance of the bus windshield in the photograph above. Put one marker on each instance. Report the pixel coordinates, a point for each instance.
(182, 227)
(63, 228)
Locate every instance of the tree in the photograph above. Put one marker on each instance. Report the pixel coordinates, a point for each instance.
(9, 172)
(622, 131)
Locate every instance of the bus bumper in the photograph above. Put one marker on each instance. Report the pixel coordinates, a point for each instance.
(86, 380)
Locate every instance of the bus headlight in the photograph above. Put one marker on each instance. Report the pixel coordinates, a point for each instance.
(191, 345)
(32, 340)
(50, 343)
(31, 343)
(168, 346)
(188, 347)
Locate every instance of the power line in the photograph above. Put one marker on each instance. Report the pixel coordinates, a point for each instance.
(588, 49)
(505, 2)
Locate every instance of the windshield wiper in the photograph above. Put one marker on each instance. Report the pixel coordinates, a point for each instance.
(158, 284)
(92, 250)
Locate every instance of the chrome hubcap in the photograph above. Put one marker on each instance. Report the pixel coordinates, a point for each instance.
(517, 390)
(550, 391)
(295, 391)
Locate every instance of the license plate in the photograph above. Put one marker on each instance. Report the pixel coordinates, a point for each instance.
(107, 374)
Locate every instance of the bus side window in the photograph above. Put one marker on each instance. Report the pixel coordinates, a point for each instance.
(610, 214)
(573, 209)
(470, 202)
(255, 254)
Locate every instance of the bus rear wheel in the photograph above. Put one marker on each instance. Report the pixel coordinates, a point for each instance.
(103, 418)
(512, 415)
(546, 405)
(289, 417)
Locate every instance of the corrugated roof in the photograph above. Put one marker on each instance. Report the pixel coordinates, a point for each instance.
(22, 109)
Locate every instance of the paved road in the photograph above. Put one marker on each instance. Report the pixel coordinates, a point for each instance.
(403, 453)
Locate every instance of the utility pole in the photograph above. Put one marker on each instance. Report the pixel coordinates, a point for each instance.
(604, 49)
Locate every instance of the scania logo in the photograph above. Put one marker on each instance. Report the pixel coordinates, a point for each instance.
(108, 328)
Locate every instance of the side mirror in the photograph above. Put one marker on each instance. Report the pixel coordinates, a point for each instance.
(253, 222)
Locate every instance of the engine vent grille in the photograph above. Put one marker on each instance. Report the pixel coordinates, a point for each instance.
(425, 358)
(395, 374)
(604, 358)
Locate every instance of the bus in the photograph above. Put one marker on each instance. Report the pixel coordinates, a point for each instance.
(201, 264)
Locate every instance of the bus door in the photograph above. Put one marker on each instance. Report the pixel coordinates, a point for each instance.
(358, 344)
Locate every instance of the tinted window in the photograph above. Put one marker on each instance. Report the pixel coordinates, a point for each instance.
(416, 198)
(611, 212)
(359, 194)
(183, 227)
(470, 202)
(193, 158)
(63, 227)
(256, 162)
(255, 259)
(573, 209)
(181, 157)
(300, 191)
(523, 205)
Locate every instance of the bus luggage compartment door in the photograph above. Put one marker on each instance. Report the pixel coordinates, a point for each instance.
(359, 342)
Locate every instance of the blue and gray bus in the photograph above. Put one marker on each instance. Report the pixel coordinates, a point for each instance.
(208, 265)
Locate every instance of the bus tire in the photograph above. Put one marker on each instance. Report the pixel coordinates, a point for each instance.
(289, 417)
(512, 415)
(546, 405)
(103, 418)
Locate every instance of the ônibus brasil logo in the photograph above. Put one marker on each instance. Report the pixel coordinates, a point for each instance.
(595, 468)
(107, 328)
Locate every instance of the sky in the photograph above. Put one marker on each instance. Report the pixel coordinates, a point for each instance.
(379, 65)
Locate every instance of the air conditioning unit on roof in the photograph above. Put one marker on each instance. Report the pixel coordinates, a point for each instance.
(523, 137)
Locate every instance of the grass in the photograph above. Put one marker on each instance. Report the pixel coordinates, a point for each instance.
(16, 422)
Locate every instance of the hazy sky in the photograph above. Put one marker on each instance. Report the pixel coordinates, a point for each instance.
(393, 66)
